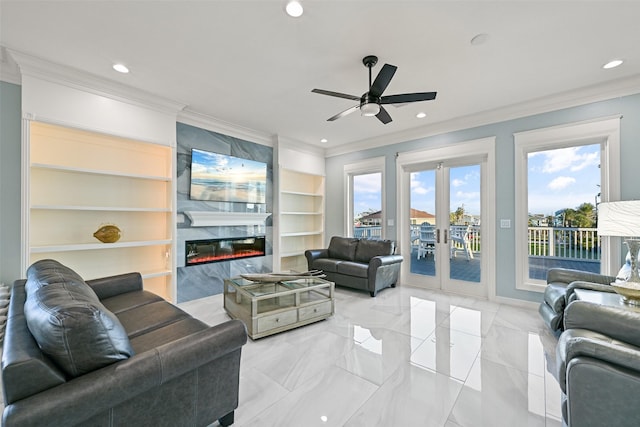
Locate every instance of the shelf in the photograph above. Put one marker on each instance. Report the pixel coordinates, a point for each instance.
(302, 233)
(153, 274)
(300, 213)
(97, 246)
(301, 193)
(98, 208)
(291, 254)
(60, 168)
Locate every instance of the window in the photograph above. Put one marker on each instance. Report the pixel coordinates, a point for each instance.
(365, 193)
(562, 174)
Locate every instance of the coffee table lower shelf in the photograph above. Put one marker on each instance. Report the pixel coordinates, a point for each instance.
(269, 308)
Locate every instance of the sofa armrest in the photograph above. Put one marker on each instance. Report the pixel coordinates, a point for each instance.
(579, 284)
(575, 343)
(84, 397)
(314, 254)
(566, 275)
(378, 261)
(619, 323)
(106, 287)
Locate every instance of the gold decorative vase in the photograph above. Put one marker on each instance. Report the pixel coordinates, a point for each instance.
(109, 233)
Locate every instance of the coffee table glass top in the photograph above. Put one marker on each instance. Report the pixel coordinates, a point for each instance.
(304, 283)
(258, 289)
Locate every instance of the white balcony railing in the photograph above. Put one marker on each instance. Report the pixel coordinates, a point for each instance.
(558, 242)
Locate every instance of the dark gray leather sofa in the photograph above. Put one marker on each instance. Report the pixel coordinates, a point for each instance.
(559, 292)
(364, 264)
(598, 365)
(107, 353)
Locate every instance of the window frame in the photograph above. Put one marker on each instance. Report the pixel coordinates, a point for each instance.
(603, 131)
(365, 167)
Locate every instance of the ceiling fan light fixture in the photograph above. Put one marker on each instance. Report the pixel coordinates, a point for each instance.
(294, 9)
(370, 109)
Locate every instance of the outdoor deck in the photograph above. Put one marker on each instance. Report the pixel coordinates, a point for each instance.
(461, 269)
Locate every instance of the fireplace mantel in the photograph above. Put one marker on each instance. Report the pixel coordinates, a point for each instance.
(213, 219)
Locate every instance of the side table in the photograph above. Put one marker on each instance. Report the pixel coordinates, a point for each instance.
(612, 299)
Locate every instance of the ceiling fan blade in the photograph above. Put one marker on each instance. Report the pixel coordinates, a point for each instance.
(408, 97)
(383, 116)
(336, 94)
(382, 80)
(344, 113)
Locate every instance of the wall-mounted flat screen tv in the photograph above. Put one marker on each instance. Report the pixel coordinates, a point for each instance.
(224, 178)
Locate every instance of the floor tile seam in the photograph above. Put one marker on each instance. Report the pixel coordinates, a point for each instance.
(538, 331)
(362, 378)
(509, 366)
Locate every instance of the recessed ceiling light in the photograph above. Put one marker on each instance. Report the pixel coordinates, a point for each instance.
(421, 115)
(294, 8)
(612, 64)
(324, 140)
(479, 39)
(121, 68)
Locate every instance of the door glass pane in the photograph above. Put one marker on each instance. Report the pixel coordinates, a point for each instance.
(367, 205)
(563, 195)
(423, 222)
(464, 220)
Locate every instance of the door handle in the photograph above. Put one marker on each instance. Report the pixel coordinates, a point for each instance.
(445, 237)
(438, 235)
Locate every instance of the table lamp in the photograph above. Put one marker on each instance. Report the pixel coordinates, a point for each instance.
(622, 219)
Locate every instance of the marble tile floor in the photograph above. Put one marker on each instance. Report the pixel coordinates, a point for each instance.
(409, 357)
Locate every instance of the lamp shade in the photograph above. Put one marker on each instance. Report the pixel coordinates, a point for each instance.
(619, 218)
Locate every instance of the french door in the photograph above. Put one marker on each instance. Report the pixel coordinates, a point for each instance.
(445, 212)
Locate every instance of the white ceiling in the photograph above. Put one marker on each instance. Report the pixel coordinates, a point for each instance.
(248, 63)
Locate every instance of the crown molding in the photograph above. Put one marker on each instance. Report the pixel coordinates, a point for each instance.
(204, 121)
(77, 79)
(295, 145)
(573, 98)
(9, 71)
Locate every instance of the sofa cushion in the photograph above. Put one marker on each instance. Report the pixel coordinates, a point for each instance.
(355, 269)
(326, 264)
(343, 248)
(148, 317)
(69, 323)
(129, 300)
(368, 249)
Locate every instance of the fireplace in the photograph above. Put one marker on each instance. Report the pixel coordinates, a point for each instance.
(223, 249)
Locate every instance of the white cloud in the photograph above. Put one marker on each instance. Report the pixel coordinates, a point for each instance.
(588, 159)
(370, 183)
(418, 187)
(568, 158)
(561, 182)
(457, 183)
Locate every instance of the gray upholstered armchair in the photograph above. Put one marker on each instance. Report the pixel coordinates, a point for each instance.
(598, 365)
(559, 292)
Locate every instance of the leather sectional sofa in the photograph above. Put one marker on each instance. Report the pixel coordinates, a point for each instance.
(559, 292)
(598, 365)
(363, 264)
(107, 353)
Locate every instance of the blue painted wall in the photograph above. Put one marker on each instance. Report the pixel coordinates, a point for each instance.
(10, 167)
(628, 107)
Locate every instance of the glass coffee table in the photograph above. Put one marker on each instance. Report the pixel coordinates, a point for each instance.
(269, 308)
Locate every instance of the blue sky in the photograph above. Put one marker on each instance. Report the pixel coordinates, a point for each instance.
(558, 179)
(563, 178)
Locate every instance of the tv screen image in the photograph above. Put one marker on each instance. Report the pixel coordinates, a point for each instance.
(223, 178)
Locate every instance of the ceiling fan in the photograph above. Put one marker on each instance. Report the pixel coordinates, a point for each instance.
(371, 103)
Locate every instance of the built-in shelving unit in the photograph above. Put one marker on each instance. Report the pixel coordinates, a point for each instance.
(301, 217)
(78, 181)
